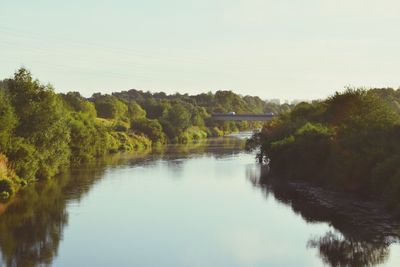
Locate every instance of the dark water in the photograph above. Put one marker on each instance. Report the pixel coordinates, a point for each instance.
(201, 205)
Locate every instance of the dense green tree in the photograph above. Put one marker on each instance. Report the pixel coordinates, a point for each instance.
(24, 158)
(155, 108)
(75, 102)
(199, 115)
(204, 99)
(8, 121)
(176, 120)
(87, 139)
(230, 101)
(135, 111)
(254, 104)
(151, 128)
(41, 122)
(109, 107)
(348, 141)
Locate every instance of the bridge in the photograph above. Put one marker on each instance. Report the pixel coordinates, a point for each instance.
(241, 117)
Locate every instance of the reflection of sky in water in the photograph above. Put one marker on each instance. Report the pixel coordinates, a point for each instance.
(186, 211)
(208, 217)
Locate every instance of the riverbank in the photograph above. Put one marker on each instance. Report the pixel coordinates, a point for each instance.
(234, 143)
(189, 203)
(361, 230)
(43, 132)
(129, 143)
(347, 142)
(353, 215)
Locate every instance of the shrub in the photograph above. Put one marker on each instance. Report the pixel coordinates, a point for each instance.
(24, 159)
(216, 132)
(150, 128)
(348, 141)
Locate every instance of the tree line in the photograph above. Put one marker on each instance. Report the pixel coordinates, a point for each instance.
(349, 141)
(42, 132)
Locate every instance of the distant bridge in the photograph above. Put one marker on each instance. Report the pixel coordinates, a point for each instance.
(242, 117)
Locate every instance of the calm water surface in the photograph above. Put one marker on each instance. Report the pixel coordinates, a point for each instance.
(199, 205)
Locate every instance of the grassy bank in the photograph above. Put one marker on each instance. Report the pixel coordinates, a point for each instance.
(43, 132)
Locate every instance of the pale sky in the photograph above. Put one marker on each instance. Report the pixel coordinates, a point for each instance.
(287, 49)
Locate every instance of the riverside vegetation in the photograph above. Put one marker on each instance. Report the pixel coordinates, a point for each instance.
(42, 132)
(349, 141)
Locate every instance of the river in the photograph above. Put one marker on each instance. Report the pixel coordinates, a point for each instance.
(208, 204)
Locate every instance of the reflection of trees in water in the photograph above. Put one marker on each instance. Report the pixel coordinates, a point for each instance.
(32, 226)
(175, 154)
(31, 229)
(216, 147)
(364, 230)
(336, 250)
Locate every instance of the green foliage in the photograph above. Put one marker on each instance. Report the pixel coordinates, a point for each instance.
(199, 115)
(155, 108)
(150, 128)
(229, 101)
(216, 132)
(192, 134)
(135, 111)
(304, 112)
(75, 102)
(254, 104)
(277, 108)
(42, 132)
(24, 158)
(121, 127)
(109, 107)
(87, 138)
(8, 121)
(348, 141)
(176, 120)
(9, 182)
(309, 145)
(41, 122)
(128, 142)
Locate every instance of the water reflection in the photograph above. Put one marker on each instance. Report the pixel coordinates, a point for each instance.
(337, 250)
(32, 226)
(362, 233)
(215, 147)
(31, 229)
(229, 229)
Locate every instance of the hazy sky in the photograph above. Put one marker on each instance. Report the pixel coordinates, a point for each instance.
(284, 49)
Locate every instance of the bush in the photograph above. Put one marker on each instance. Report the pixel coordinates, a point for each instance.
(150, 128)
(349, 141)
(8, 121)
(109, 107)
(24, 159)
(192, 134)
(216, 132)
(42, 123)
